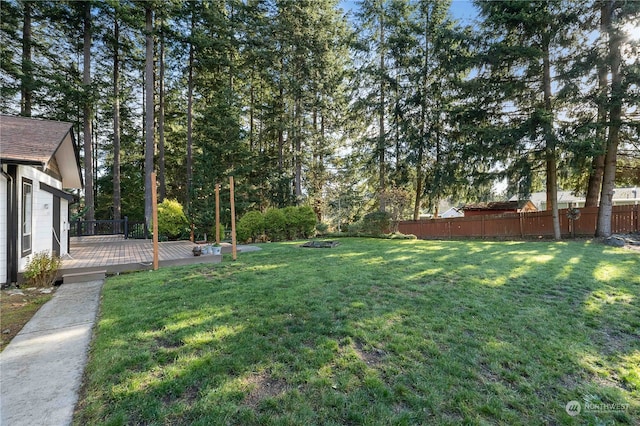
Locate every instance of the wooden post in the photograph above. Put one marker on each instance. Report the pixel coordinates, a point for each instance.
(217, 213)
(233, 220)
(154, 212)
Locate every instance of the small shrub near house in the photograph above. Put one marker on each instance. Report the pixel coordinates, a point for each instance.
(42, 269)
(172, 222)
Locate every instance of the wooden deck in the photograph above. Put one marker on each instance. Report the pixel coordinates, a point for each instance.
(114, 254)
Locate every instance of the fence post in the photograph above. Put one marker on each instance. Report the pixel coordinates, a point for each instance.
(521, 214)
(78, 228)
(126, 227)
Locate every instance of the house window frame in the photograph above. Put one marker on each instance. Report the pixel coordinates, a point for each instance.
(26, 228)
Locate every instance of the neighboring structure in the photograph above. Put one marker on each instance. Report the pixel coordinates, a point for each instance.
(38, 159)
(499, 207)
(566, 199)
(453, 212)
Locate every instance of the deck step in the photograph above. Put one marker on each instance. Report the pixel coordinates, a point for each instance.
(83, 277)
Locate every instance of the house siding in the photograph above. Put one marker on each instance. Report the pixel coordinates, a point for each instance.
(42, 239)
(3, 229)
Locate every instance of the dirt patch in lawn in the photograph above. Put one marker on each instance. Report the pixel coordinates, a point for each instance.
(17, 306)
(263, 386)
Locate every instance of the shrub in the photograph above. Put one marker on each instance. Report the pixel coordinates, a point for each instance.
(300, 222)
(275, 224)
(305, 221)
(42, 269)
(250, 226)
(172, 221)
(322, 228)
(401, 236)
(376, 223)
(290, 214)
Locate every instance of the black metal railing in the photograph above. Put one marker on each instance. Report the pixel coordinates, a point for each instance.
(83, 228)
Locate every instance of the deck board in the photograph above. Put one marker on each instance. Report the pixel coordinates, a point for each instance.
(115, 255)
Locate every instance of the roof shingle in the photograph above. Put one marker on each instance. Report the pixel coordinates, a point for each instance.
(29, 139)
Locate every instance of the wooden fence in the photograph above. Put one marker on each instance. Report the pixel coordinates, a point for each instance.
(522, 225)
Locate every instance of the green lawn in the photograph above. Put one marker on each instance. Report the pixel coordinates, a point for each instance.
(373, 332)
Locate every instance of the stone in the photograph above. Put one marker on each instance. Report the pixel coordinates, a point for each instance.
(614, 241)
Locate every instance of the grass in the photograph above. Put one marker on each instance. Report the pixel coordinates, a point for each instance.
(373, 332)
(16, 310)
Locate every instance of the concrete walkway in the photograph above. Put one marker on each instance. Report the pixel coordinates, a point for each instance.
(41, 369)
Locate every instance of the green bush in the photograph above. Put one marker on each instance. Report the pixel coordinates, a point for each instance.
(322, 228)
(290, 216)
(250, 226)
(42, 269)
(275, 224)
(401, 236)
(376, 223)
(172, 222)
(300, 221)
(305, 221)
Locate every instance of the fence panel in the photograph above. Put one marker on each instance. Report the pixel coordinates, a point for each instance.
(624, 219)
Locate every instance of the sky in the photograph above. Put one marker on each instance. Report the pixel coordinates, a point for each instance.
(463, 10)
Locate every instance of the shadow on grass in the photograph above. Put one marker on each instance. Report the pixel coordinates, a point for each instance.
(373, 332)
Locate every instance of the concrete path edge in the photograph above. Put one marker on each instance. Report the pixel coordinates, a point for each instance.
(41, 369)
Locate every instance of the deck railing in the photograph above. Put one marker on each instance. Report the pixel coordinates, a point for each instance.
(83, 228)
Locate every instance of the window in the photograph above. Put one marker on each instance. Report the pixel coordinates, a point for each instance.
(27, 215)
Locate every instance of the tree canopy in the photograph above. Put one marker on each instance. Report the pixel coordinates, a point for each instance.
(306, 102)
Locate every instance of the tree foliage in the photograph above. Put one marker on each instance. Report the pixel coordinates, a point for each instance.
(306, 104)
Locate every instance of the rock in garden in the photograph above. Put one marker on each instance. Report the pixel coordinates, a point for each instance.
(614, 241)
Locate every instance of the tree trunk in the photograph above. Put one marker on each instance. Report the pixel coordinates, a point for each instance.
(419, 178)
(27, 64)
(117, 197)
(280, 130)
(297, 124)
(597, 165)
(609, 175)
(550, 150)
(149, 149)
(423, 120)
(87, 116)
(381, 134)
(162, 190)
(190, 122)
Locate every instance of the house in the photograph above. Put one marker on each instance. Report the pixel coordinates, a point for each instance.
(498, 207)
(453, 212)
(38, 160)
(566, 199)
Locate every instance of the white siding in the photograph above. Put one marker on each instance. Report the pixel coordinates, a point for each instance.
(64, 227)
(42, 239)
(3, 229)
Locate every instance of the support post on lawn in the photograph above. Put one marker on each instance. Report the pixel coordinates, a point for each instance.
(217, 213)
(154, 213)
(234, 253)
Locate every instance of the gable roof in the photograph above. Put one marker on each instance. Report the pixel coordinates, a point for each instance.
(496, 205)
(39, 142)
